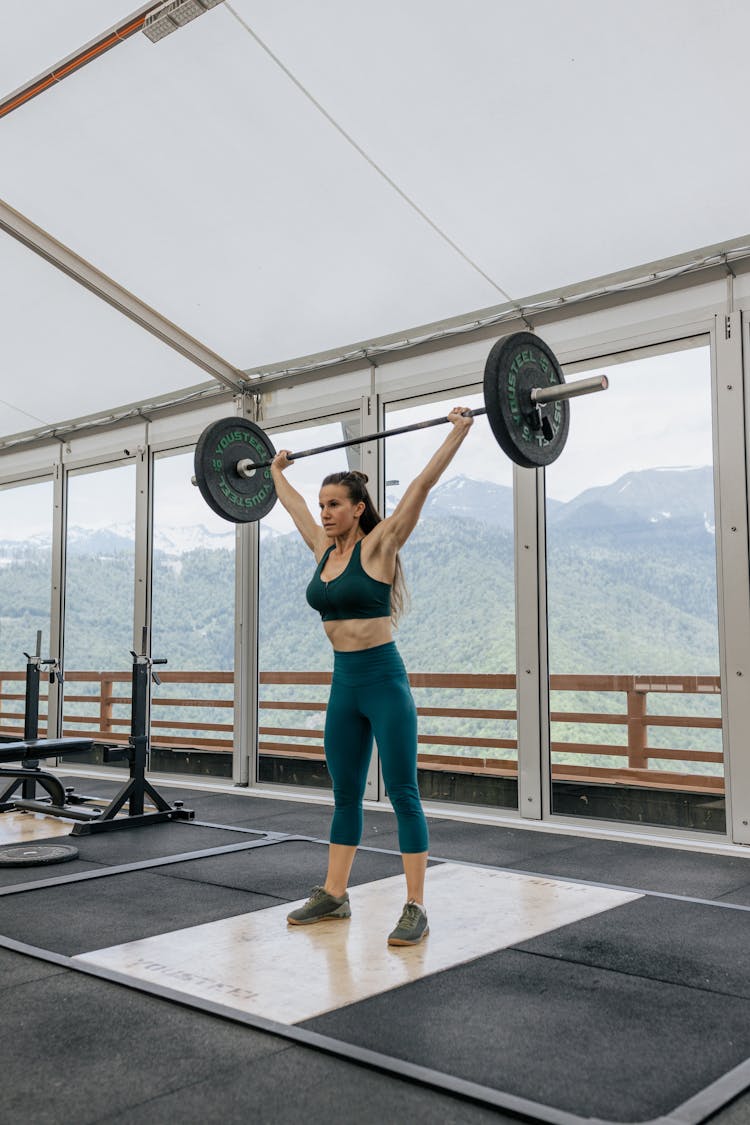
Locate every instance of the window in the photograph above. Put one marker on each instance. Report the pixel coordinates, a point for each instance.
(632, 601)
(458, 639)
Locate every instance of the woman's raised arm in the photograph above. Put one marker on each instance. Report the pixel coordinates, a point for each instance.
(402, 521)
(295, 504)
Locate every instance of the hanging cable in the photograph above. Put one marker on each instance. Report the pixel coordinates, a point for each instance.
(365, 156)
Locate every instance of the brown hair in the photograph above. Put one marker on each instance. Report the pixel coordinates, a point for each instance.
(355, 484)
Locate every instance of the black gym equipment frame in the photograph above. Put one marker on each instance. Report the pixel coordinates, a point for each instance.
(64, 802)
(27, 775)
(135, 791)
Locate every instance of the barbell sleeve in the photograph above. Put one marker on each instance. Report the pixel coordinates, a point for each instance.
(560, 391)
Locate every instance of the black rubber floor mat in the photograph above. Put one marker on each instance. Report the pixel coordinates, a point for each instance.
(589, 1042)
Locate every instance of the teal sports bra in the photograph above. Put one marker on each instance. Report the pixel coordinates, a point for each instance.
(351, 594)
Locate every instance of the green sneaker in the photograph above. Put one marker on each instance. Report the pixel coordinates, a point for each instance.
(320, 906)
(412, 926)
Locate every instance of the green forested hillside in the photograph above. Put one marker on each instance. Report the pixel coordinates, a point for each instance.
(636, 599)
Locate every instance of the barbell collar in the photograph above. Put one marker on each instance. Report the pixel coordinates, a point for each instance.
(563, 391)
(246, 467)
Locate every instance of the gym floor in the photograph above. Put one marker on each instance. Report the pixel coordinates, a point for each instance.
(564, 978)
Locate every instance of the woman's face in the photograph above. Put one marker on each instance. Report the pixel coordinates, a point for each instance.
(338, 513)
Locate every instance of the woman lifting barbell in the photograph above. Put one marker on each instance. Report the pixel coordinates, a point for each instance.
(358, 590)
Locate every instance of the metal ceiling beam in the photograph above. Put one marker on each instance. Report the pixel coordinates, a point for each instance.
(54, 252)
(86, 54)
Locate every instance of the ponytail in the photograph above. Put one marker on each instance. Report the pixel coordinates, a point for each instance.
(355, 484)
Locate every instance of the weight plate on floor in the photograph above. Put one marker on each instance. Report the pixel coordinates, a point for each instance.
(515, 366)
(221, 447)
(32, 855)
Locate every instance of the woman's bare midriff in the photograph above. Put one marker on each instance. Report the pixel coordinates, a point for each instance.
(358, 633)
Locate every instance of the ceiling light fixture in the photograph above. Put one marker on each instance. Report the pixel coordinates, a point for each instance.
(173, 15)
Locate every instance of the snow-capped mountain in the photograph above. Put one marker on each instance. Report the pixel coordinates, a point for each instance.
(648, 497)
(117, 538)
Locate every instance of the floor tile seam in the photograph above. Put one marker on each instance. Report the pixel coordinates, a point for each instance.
(279, 899)
(216, 1074)
(137, 865)
(233, 828)
(741, 887)
(620, 972)
(15, 985)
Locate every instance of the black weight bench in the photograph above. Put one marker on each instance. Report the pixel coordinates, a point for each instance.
(35, 748)
(27, 776)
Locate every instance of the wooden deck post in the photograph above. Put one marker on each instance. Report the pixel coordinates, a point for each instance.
(637, 750)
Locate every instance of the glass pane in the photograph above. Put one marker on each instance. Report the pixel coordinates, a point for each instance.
(294, 654)
(632, 600)
(192, 718)
(99, 580)
(458, 639)
(25, 592)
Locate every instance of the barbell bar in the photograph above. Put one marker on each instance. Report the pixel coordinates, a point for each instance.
(526, 403)
(246, 467)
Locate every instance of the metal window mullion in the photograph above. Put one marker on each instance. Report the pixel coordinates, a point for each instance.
(57, 597)
(246, 667)
(144, 506)
(733, 566)
(142, 569)
(532, 696)
(373, 464)
(246, 690)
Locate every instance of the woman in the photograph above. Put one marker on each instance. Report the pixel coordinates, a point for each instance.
(356, 588)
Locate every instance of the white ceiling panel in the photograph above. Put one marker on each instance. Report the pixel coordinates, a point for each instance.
(554, 142)
(66, 353)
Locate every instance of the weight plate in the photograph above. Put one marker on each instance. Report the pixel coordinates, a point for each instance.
(33, 855)
(514, 367)
(221, 447)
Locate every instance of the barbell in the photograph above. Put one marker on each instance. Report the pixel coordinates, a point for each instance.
(526, 403)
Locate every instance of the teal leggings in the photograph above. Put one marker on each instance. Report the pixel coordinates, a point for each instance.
(370, 695)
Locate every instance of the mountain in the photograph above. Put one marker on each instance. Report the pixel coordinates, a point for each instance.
(637, 500)
(106, 542)
(643, 499)
(463, 498)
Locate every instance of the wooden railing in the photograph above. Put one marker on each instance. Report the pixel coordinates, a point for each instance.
(103, 712)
